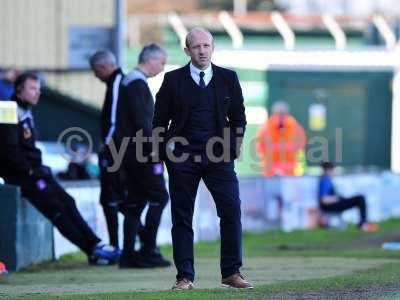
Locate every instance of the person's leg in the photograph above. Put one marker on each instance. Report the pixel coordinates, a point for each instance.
(131, 227)
(46, 201)
(221, 180)
(109, 198)
(111, 193)
(184, 179)
(68, 229)
(110, 211)
(362, 207)
(148, 231)
(73, 212)
(347, 203)
(131, 207)
(156, 193)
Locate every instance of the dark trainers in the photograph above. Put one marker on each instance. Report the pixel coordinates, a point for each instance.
(236, 281)
(133, 260)
(154, 258)
(183, 285)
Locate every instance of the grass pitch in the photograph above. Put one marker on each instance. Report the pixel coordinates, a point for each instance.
(316, 264)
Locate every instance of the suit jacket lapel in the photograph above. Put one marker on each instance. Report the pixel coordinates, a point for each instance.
(219, 84)
(186, 90)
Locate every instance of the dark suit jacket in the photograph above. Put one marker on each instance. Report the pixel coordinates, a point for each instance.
(173, 98)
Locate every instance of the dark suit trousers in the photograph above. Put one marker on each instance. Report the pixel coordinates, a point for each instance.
(221, 181)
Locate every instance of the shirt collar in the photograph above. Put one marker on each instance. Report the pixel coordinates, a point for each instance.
(196, 71)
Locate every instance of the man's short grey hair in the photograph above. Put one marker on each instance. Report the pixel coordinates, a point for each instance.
(103, 57)
(150, 51)
(194, 30)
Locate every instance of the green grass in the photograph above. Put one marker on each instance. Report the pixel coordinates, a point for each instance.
(319, 242)
(306, 243)
(389, 273)
(268, 252)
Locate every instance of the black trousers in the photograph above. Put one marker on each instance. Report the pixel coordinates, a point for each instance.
(60, 208)
(348, 203)
(145, 186)
(111, 194)
(221, 181)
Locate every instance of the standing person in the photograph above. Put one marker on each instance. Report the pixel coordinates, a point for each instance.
(198, 102)
(21, 164)
(104, 66)
(330, 201)
(279, 141)
(143, 179)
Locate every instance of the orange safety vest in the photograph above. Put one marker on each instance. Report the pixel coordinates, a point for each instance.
(278, 141)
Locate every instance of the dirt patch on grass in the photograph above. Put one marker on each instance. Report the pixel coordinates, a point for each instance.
(363, 242)
(377, 240)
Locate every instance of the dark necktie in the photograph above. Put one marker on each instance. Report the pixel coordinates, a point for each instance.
(201, 82)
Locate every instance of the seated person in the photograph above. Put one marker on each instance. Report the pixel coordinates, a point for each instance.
(21, 165)
(331, 202)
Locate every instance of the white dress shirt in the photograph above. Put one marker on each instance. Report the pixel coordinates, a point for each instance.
(195, 73)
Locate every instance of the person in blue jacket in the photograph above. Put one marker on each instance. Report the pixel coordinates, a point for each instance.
(330, 201)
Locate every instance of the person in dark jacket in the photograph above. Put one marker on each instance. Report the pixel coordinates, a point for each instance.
(104, 66)
(144, 180)
(21, 164)
(202, 103)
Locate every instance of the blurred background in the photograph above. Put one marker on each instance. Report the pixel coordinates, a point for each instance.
(335, 63)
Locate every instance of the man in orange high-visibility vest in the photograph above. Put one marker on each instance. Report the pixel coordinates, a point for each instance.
(279, 141)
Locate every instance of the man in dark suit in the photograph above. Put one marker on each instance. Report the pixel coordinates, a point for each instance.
(196, 105)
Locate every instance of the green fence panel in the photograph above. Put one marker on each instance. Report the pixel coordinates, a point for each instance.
(358, 113)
